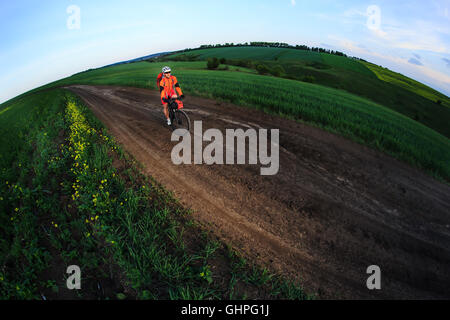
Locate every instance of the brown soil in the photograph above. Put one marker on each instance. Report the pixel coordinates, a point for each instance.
(334, 208)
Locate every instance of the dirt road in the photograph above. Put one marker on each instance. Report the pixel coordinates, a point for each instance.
(333, 209)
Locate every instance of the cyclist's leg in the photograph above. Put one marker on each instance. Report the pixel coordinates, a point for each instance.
(166, 110)
(171, 94)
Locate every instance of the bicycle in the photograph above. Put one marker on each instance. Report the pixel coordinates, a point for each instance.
(179, 118)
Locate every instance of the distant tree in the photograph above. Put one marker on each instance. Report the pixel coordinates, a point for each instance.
(277, 71)
(245, 63)
(308, 78)
(439, 101)
(223, 61)
(262, 69)
(213, 63)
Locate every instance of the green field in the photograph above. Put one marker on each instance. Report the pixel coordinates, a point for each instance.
(334, 110)
(395, 91)
(254, 53)
(409, 84)
(70, 195)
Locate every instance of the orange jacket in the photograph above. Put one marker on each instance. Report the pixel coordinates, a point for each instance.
(167, 87)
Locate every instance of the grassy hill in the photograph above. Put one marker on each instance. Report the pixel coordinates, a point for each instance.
(395, 91)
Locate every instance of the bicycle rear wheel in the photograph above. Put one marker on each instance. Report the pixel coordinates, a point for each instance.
(181, 120)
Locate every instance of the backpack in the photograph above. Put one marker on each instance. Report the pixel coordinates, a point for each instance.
(158, 79)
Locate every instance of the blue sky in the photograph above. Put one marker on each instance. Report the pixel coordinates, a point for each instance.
(36, 47)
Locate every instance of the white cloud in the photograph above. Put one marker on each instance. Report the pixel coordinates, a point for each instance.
(353, 12)
(293, 2)
(422, 73)
(420, 35)
(390, 31)
(380, 33)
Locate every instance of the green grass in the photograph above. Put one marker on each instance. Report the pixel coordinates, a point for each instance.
(397, 92)
(345, 63)
(284, 56)
(409, 84)
(141, 75)
(70, 195)
(42, 233)
(27, 198)
(333, 110)
(253, 53)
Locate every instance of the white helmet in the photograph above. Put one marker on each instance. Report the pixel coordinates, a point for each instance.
(166, 69)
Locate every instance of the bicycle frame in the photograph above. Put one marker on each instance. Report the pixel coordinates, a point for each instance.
(175, 113)
(171, 105)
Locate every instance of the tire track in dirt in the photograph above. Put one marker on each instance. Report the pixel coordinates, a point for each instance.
(334, 208)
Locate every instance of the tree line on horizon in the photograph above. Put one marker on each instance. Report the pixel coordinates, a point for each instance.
(271, 45)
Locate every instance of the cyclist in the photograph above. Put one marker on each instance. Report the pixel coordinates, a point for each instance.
(168, 84)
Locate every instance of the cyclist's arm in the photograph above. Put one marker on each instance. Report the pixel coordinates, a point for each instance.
(177, 87)
(163, 93)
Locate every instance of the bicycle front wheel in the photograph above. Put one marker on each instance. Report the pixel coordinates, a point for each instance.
(181, 120)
